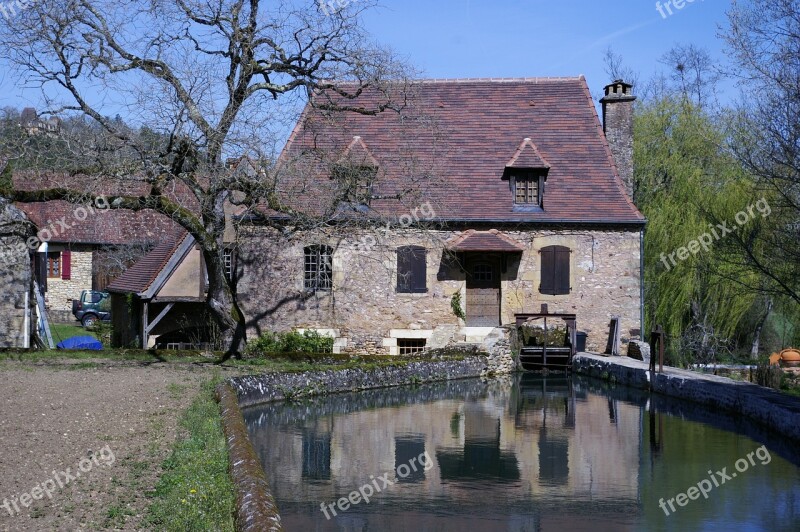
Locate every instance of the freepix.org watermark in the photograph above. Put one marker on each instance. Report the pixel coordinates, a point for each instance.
(717, 233)
(334, 6)
(714, 480)
(59, 480)
(666, 9)
(54, 228)
(365, 492)
(10, 9)
(424, 212)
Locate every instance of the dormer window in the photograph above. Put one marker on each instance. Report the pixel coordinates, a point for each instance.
(526, 189)
(355, 173)
(355, 183)
(527, 171)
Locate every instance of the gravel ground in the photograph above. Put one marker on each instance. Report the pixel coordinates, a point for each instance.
(107, 424)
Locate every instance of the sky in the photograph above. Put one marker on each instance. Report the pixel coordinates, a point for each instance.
(523, 38)
(537, 38)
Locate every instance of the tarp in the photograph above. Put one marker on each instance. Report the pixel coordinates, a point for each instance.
(88, 343)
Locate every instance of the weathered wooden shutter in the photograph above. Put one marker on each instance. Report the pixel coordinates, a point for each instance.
(66, 265)
(555, 270)
(418, 270)
(562, 284)
(411, 269)
(548, 271)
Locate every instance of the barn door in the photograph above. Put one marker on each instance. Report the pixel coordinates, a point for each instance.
(483, 291)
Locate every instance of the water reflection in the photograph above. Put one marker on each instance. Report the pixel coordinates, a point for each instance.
(530, 454)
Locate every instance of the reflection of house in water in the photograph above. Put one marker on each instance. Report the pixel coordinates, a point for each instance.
(481, 456)
(543, 448)
(316, 455)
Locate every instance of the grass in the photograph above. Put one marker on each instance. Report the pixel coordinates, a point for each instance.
(195, 491)
(273, 364)
(62, 331)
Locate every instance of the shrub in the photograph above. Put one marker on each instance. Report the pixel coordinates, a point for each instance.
(271, 343)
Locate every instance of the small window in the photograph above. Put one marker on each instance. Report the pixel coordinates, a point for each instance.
(409, 346)
(482, 272)
(555, 270)
(228, 257)
(356, 183)
(411, 270)
(54, 265)
(526, 190)
(318, 268)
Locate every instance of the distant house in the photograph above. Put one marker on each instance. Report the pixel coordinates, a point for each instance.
(86, 247)
(489, 198)
(33, 124)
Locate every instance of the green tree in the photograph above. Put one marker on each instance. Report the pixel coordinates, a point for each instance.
(686, 182)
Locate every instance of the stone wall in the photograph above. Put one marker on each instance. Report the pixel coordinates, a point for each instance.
(773, 409)
(61, 292)
(366, 311)
(15, 276)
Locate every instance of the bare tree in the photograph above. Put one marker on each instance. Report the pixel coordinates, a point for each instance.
(764, 43)
(215, 79)
(692, 73)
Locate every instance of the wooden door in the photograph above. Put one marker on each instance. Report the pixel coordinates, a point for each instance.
(483, 291)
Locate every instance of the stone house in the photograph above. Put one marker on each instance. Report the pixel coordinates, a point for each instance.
(479, 200)
(17, 317)
(87, 247)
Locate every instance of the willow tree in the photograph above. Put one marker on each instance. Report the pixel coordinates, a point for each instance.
(686, 184)
(215, 79)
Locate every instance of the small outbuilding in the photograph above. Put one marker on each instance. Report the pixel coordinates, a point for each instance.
(160, 301)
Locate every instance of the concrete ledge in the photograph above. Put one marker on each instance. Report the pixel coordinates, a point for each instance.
(255, 509)
(775, 410)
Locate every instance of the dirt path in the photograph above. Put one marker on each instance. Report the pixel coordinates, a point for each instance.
(82, 443)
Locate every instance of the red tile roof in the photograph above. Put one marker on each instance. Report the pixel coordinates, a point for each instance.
(493, 240)
(68, 223)
(103, 227)
(451, 143)
(527, 156)
(139, 277)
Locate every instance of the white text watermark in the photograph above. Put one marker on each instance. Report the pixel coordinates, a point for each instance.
(365, 492)
(714, 480)
(59, 480)
(666, 9)
(718, 232)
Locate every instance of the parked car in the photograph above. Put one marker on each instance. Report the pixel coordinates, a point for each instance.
(91, 307)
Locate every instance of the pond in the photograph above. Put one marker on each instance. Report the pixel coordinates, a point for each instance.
(529, 453)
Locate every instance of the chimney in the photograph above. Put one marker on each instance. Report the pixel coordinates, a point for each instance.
(618, 127)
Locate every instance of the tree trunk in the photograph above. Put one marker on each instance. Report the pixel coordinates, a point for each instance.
(224, 307)
(759, 328)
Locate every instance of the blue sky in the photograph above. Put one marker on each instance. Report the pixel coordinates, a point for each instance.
(531, 38)
(523, 38)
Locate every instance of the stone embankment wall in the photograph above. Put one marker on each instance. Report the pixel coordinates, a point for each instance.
(775, 410)
(256, 389)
